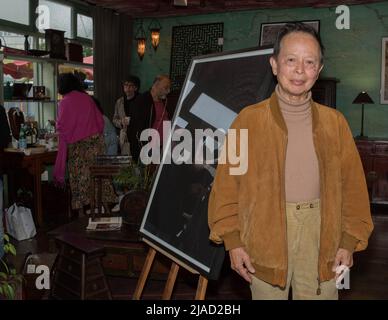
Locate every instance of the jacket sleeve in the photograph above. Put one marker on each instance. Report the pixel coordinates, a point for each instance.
(223, 201)
(356, 218)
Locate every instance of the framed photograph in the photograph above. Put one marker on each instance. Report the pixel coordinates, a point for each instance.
(269, 31)
(384, 71)
(175, 219)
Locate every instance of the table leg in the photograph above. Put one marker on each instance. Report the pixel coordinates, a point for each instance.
(38, 193)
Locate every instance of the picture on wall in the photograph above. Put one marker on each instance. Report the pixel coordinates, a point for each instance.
(384, 71)
(269, 31)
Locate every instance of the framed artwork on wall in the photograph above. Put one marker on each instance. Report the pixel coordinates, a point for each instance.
(270, 30)
(384, 71)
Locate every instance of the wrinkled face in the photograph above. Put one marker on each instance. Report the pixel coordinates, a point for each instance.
(129, 88)
(162, 88)
(298, 64)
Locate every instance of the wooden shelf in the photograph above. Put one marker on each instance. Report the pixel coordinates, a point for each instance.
(44, 60)
(30, 100)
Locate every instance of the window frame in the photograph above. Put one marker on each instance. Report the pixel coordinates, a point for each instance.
(30, 29)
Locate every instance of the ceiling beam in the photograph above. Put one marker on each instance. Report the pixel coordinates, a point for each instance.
(165, 8)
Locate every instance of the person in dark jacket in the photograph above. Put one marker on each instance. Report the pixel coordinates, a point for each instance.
(150, 110)
(5, 138)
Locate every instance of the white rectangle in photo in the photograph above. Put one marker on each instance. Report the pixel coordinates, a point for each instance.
(213, 112)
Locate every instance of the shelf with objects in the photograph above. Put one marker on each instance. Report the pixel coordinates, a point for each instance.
(28, 87)
(29, 84)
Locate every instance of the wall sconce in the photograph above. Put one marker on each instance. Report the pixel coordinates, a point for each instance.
(141, 41)
(155, 28)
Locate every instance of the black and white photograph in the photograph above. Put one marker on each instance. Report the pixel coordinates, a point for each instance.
(211, 98)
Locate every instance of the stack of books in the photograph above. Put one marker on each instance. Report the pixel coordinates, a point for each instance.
(104, 224)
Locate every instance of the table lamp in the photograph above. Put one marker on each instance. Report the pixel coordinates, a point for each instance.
(362, 98)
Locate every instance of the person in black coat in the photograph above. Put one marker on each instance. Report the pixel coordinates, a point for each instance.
(147, 113)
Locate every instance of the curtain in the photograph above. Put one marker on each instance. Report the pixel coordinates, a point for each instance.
(112, 44)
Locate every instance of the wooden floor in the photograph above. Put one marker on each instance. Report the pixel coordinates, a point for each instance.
(368, 277)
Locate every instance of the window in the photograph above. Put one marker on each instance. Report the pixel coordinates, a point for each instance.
(15, 11)
(84, 27)
(60, 16)
(13, 40)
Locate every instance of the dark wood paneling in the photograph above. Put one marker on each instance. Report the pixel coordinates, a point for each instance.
(374, 157)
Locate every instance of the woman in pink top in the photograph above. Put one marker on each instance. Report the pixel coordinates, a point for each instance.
(80, 128)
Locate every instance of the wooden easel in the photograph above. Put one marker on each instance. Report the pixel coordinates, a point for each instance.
(175, 265)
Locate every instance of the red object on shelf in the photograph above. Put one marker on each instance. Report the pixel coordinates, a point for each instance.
(89, 72)
(8, 50)
(19, 69)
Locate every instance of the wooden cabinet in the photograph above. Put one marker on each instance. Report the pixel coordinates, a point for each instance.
(78, 273)
(374, 157)
(324, 91)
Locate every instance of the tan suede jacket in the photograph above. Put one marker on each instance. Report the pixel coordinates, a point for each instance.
(249, 210)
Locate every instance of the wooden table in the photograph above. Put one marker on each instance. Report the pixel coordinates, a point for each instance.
(35, 165)
(125, 251)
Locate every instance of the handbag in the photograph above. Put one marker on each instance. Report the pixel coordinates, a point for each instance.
(19, 222)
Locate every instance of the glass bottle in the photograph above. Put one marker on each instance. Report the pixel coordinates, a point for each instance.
(22, 138)
(28, 135)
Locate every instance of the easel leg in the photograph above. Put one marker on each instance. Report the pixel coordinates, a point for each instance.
(201, 289)
(144, 274)
(170, 281)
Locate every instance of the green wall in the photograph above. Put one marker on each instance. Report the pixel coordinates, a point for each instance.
(353, 56)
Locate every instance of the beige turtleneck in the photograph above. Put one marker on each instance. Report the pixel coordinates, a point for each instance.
(302, 171)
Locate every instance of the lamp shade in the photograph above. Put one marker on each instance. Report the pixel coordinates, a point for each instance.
(363, 98)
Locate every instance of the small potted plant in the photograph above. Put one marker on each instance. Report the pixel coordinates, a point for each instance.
(10, 281)
(136, 180)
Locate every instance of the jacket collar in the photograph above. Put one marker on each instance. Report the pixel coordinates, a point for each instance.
(278, 116)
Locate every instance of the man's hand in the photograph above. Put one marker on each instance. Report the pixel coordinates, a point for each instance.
(343, 257)
(241, 263)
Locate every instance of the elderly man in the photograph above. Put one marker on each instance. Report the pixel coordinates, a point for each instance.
(302, 208)
(151, 110)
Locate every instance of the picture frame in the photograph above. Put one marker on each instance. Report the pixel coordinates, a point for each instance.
(270, 30)
(176, 222)
(384, 71)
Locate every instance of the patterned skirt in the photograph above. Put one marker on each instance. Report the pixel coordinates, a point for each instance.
(81, 155)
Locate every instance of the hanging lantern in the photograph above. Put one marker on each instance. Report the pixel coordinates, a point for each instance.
(155, 37)
(141, 46)
(155, 28)
(141, 41)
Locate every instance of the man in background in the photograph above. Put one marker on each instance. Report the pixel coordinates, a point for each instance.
(124, 110)
(150, 110)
